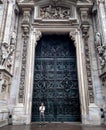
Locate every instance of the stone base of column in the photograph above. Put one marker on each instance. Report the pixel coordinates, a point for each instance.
(93, 117)
(19, 117)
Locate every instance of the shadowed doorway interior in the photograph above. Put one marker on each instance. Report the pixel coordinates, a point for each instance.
(55, 79)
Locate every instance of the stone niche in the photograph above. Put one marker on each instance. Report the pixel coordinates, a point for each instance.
(5, 78)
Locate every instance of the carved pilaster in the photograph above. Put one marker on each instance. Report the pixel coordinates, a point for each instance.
(25, 35)
(85, 33)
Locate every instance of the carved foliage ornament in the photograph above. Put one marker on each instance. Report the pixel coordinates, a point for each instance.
(52, 12)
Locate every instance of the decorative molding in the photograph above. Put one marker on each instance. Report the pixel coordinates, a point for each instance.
(85, 33)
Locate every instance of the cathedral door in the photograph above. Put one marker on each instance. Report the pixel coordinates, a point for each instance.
(55, 80)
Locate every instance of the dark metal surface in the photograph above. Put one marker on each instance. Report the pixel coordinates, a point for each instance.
(55, 79)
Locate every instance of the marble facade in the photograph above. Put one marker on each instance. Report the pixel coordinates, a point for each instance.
(22, 24)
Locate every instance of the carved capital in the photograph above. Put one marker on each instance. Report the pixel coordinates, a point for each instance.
(38, 34)
(72, 35)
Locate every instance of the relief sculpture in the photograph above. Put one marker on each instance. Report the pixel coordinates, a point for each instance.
(52, 12)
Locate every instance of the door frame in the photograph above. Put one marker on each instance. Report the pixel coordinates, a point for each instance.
(75, 35)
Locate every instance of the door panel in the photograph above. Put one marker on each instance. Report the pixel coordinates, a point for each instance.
(55, 79)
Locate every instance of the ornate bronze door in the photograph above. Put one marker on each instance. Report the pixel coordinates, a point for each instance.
(55, 79)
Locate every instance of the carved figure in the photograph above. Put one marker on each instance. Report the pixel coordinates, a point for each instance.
(4, 51)
(98, 40)
(4, 86)
(7, 52)
(102, 61)
(26, 16)
(13, 38)
(100, 49)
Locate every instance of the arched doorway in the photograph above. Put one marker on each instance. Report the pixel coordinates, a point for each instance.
(55, 79)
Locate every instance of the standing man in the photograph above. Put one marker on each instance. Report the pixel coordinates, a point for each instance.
(42, 110)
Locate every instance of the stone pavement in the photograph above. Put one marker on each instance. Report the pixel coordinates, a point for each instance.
(53, 126)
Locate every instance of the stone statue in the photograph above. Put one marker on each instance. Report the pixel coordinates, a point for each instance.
(99, 48)
(7, 52)
(13, 38)
(102, 61)
(98, 40)
(4, 51)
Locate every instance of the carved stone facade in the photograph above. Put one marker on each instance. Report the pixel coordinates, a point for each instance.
(23, 24)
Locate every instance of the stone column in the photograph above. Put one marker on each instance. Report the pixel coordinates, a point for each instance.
(34, 37)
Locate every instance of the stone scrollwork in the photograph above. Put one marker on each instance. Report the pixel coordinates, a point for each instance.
(55, 12)
(99, 48)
